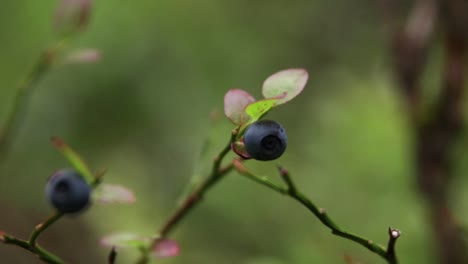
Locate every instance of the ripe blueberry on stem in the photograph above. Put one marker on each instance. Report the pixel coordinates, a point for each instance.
(265, 140)
(67, 191)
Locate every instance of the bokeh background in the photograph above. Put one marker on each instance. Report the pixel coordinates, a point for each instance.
(146, 109)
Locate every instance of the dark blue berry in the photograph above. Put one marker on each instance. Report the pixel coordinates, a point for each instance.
(265, 140)
(67, 191)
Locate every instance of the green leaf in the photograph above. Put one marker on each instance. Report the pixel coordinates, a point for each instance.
(235, 101)
(112, 193)
(260, 108)
(125, 240)
(75, 160)
(285, 85)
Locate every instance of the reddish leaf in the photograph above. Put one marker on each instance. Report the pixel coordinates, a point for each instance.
(166, 248)
(125, 240)
(84, 56)
(112, 193)
(235, 102)
(72, 15)
(285, 85)
(239, 148)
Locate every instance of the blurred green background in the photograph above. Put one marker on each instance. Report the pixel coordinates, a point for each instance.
(143, 112)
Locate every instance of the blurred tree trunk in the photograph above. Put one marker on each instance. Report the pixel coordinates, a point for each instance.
(436, 130)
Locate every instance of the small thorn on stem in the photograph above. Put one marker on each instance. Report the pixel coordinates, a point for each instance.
(2, 236)
(322, 210)
(370, 242)
(283, 171)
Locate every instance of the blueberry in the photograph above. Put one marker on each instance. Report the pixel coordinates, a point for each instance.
(67, 191)
(265, 140)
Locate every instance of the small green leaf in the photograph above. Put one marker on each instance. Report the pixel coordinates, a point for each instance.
(285, 85)
(112, 193)
(75, 160)
(125, 240)
(260, 108)
(235, 102)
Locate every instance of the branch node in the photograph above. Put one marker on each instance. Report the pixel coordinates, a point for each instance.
(394, 233)
(287, 179)
(239, 166)
(38, 226)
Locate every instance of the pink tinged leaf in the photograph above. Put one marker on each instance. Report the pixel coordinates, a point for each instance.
(84, 56)
(166, 248)
(112, 193)
(72, 15)
(235, 102)
(285, 85)
(125, 240)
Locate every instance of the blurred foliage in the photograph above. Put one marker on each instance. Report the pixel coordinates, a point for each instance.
(143, 112)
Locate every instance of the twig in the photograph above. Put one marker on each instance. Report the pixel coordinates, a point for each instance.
(43, 254)
(192, 200)
(320, 213)
(393, 235)
(42, 227)
(22, 94)
(112, 256)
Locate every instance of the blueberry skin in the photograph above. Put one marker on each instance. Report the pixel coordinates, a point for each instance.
(265, 140)
(67, 191)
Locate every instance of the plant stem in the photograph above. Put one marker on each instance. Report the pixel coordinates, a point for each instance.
(192, 200)
(43, 254)
(320, 213)
(22, 94)
(112, 256)
(43, 226)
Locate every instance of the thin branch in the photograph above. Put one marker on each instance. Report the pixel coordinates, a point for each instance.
(22, 94)
(320, 213)
(192, 200)
(42, 227)
(393, 235)
(43, 254)
(112, 256)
